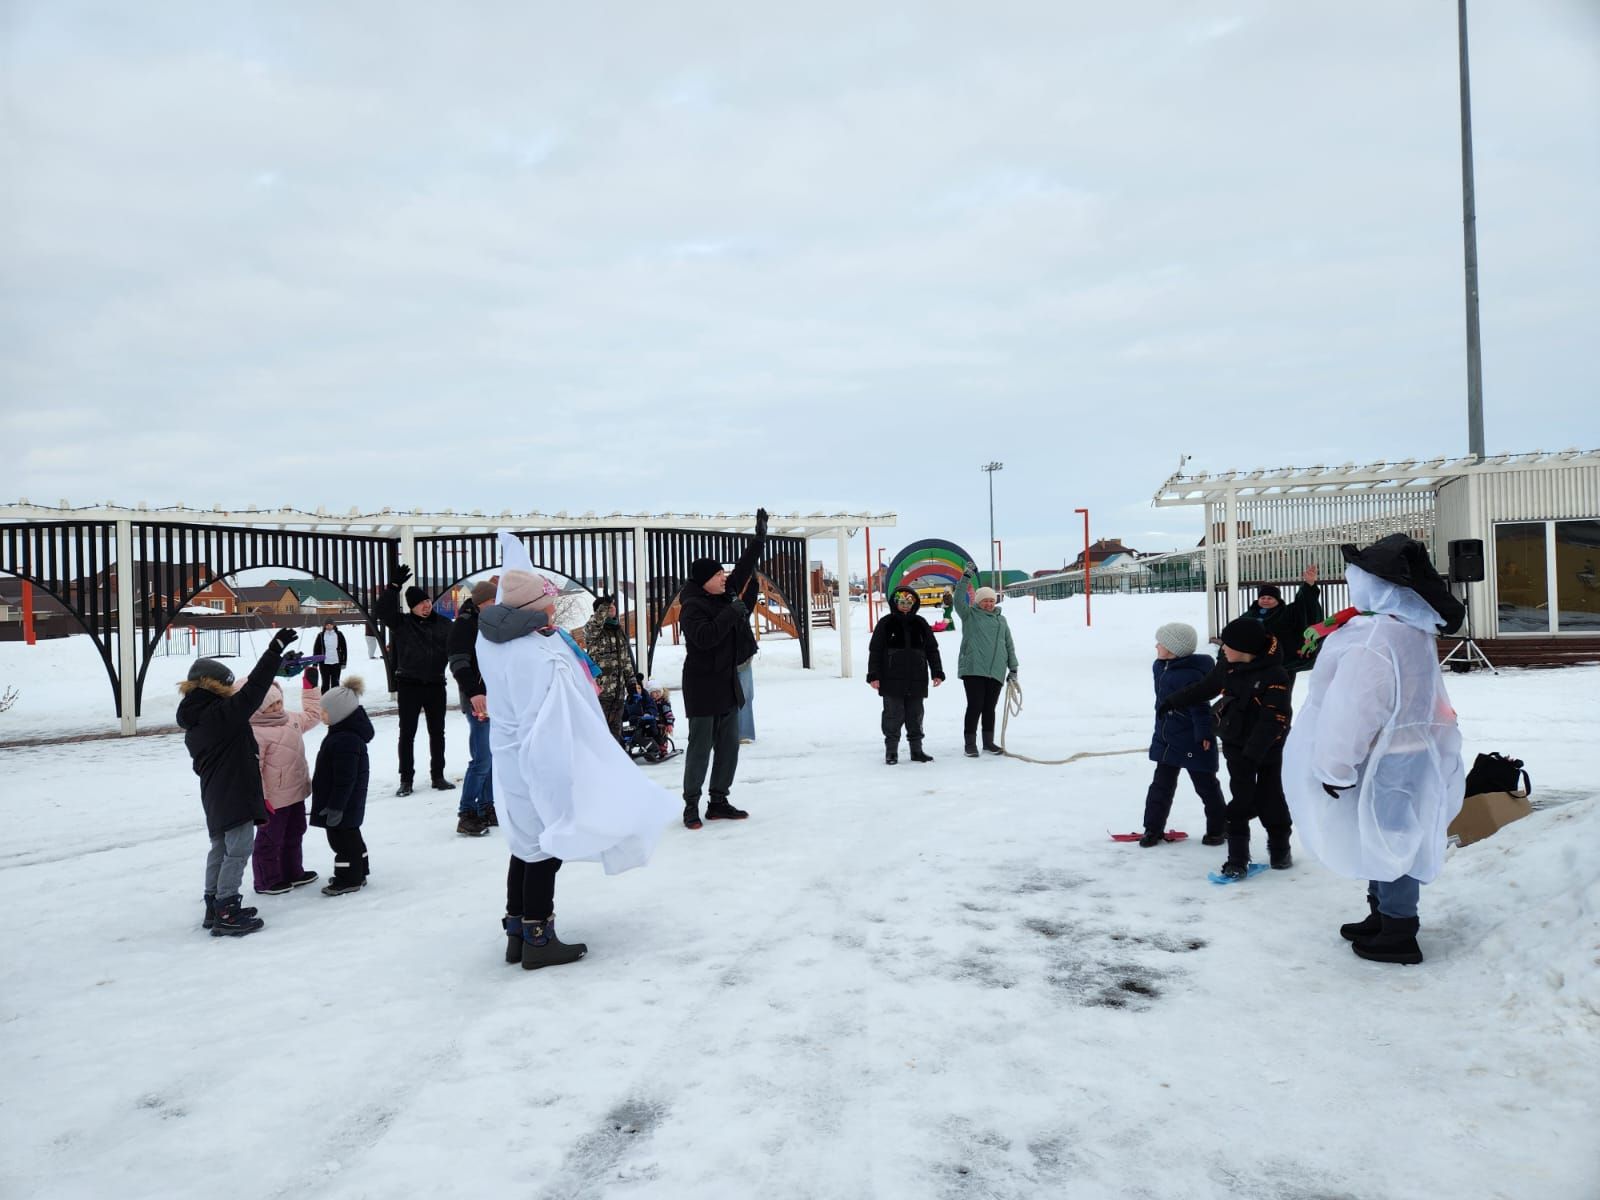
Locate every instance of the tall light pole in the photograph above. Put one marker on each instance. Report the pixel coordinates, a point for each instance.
(1469, 235)
(989, 469)
(1088, 617)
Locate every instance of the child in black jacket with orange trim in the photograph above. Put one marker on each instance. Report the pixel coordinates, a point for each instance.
(1253, 721)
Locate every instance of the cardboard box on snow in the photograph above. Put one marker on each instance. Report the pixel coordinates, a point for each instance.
(1486, 812)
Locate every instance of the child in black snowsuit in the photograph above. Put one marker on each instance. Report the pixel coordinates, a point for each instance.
(215, 717)
(1253, 721)
(339, 785)
(902, 653)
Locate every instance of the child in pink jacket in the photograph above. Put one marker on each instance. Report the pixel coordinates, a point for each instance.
(286, 782)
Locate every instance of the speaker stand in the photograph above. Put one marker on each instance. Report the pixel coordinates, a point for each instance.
(1471, 654)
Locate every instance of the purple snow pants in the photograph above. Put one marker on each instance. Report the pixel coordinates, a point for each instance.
(277, 856)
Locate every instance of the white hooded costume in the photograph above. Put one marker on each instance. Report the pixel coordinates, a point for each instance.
(564, 787)
(1378, 722)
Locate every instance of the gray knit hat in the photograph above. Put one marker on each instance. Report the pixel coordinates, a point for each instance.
(1181, 639)
(210, 668)
(340, 702)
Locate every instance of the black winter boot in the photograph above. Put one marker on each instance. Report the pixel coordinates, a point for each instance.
(691, 814)
(1213, 839)
(971, 749)
(404, 789)
(917, 755)
(891, 752)
(232, 922)
(542, 948)
(992, 748)
(211, 911)
(1153, 838)
(513, 928)
(721, 810)
(441, 784)
(1369, 927)
(1396, 942)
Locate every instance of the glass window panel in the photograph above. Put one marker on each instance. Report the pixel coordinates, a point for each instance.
(1519, 564)
(1578, 576)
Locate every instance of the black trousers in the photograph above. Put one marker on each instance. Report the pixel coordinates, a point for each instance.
(713, 742)
(1257, 792)
(417, 699)
(330, 675)
(902, 710)
(1158, 800)
(611, 705)
(531, 888)
(983, 694)
(349, 855)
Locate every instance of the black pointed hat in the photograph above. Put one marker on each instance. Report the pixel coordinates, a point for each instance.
(1403, 560)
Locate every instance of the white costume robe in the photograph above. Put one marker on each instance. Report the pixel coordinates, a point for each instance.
(563, 787)
(1377, 721)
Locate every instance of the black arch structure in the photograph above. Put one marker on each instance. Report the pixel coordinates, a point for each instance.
(70, 561)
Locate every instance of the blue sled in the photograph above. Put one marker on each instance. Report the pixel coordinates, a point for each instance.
(1251, 872)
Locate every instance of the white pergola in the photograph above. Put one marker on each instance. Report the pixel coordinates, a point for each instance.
(407, 525)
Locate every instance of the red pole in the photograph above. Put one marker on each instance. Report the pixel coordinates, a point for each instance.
(27, 614)
(1088, 617)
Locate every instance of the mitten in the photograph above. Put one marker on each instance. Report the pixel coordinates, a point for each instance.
(401, 574)
(309, 679)
(283, 637)
(332, 816)
(761, 522)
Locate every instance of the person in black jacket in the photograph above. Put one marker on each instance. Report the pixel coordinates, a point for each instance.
(902, 653)
(339, 786)
(215, 718)
(716, 634)
(475, 816)
(330, 644)
(1287, 623)
(420, 638)
(1253, 722)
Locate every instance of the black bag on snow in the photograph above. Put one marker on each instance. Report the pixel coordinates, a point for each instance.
(1497, 773)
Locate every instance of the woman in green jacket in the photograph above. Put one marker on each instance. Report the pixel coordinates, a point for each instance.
(988, 659)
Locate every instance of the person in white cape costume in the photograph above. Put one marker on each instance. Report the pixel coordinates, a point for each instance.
(1372, 766)
(565, 789)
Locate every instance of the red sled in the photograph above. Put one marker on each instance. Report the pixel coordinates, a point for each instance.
(1173, 835)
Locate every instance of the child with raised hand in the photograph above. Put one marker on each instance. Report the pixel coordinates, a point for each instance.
(1184, 739)
(285, 784)
(339, 785)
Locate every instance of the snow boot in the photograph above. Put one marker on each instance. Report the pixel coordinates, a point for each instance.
(1279, 857)
(303, 878)
(343, 887)
(441, 784)
(691, 814)
(1153, 838)
(991, 748)
(1213, 839)
(1235, 868)
(971, 748)
(231, 920)
(490, 817)
(404, 789)
(470, 826)
(891, 753)
(542, 948)
(1396, 942)
(917, 755)
(721, 810)
(211, 911)
(513, 927)
(1370, 927)
(275, 889)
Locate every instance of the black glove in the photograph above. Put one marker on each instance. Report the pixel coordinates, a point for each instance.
(738, 607)
(1011, 676)
(283, 637)
(761, 522)
(1164, 707)
(332, 816)
(401, 574)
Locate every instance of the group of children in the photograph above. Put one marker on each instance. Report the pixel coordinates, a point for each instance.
(249, 752)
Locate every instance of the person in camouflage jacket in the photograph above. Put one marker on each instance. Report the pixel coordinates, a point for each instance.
(607, 643)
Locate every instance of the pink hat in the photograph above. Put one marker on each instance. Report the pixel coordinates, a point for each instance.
(523, 589)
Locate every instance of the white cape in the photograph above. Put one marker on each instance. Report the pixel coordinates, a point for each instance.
(1377, 721)
(563, 787)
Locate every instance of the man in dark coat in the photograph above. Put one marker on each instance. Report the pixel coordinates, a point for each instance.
(330, 644)
(902, 653)
(716, 632)
(216, 722)
(475, 816)
(420, 638)
(1288, 622)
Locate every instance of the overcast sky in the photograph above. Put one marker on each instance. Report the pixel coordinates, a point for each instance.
(699, 257)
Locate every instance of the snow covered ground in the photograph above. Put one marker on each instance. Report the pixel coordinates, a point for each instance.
(920, 981)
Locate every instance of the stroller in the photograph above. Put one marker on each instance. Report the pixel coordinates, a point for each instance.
(644, 734)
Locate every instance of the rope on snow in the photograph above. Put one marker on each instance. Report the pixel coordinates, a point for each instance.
(1014, 708)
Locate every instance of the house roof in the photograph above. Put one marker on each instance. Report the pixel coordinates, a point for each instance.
(268, 592)
(312, 589)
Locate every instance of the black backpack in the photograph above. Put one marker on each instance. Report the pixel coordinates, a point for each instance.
(1497, 773)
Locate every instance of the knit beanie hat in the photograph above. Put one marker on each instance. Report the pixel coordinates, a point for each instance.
(524, 589)
(702, 569)
(210, 668)
(415, 596)
(1269, 589)
(1179, 638)
(652, 685)
(1246, 634)
(984, 593)
(341, 701)
(483, 592)
(274, 696)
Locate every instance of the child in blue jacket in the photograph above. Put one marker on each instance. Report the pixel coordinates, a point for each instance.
(1184, 739)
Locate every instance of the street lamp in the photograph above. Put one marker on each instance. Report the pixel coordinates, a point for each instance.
(1087, 616)
(989, 469)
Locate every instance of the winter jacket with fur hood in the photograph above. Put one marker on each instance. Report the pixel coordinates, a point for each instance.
(339, 784)
(217, 734)
(280, 738)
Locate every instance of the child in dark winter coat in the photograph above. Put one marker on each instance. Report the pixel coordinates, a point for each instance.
(1253, 721)
(339, 785)
(1184, 739)
(215, 717)
(902, 654)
